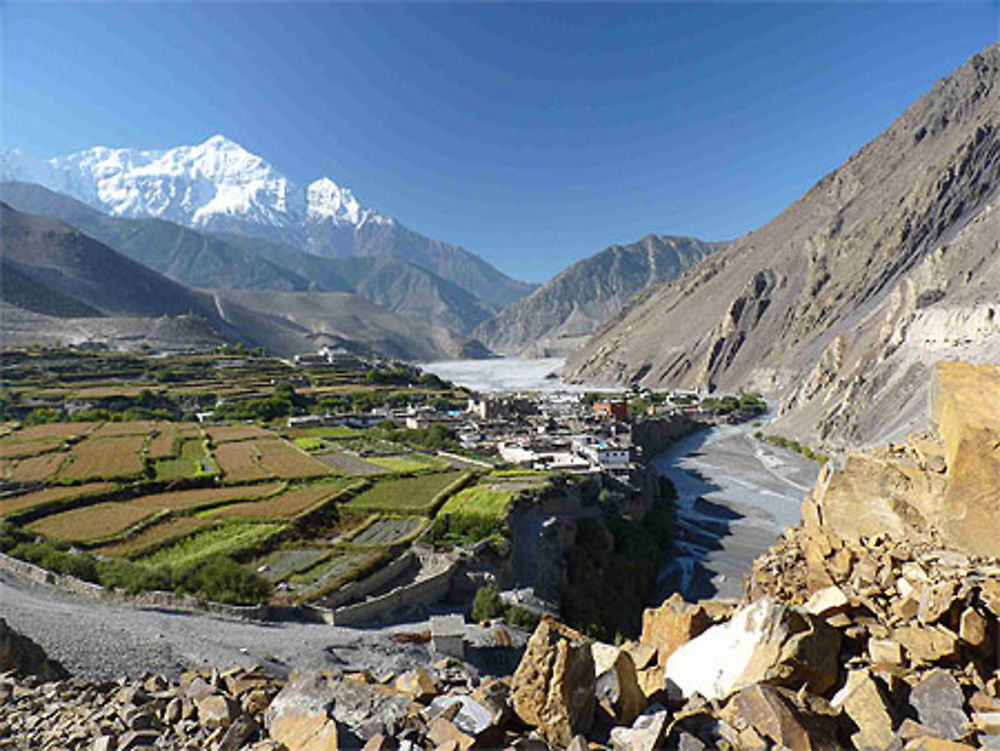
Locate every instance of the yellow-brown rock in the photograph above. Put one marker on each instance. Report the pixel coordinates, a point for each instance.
(553, 687)
(674, 623)
(305, 732)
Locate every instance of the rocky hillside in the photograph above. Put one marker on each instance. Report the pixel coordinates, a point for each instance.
(841, 304)
(560, 315)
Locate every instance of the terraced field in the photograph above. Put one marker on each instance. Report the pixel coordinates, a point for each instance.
(52, 495)
(171, 529)
(229, 538)
(409, 495)
(284, 460)
(404, 463)
(333, 572)
(240, 462)
(220, 434)
(18, 450)
(285, 506)
(388, 531)
(279, 564)
(193, 460)
(105, 458)
(349, 464)
(89, 523)
(37, 468)
(54, 430)
(183, 500)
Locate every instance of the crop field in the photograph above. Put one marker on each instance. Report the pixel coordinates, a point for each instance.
(193, 461)
(285, 506)
(181, 500)
(54, 495)
(333, 431)
(404, 463)
(388, 531)
(349, 464)
(113, 429)
(240, 462)
(224, 539)
(284, 460)
(163, 445)
(333, 572)
(220, 434)
(54, 430)
(18, 450)
(416, 495)
(171, 529)
(89, 523)
(280, 564)
(309, 444)
(105, 458)
(37, 468)
(480, 500)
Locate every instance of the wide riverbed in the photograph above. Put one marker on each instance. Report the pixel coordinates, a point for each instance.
(500, 374)
(735, 495)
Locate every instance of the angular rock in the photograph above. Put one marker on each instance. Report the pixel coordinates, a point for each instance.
(928, 644)
(238, 734)
(938, 701)
(553, 686)
(216, 711)
(973, 629)
(793, 722)
(617, 686)
(672, 624)
(417, 684)
(827, 601)
(763, 642)
(442, 731)
(862, 700)
(885, 652)
(305, 732)
(647, 733)
(642, 654)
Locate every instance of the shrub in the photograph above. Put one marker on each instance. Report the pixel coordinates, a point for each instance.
(57, 560)
(132, 577)
(487, 604)
(222, 579)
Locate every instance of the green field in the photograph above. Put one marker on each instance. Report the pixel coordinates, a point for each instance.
(473, 514)
(327, 432)
(307, 443)
(480, 500)
(406, 463)
(193, 460)
(224, 539)
(416, 495)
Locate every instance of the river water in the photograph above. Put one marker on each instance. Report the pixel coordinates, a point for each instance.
(735, 496)
(501, 374)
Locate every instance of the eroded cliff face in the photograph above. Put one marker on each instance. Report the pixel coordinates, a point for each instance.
(944, 485)
(840, 306)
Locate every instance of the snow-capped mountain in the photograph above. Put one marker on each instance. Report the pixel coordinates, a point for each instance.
(221, 187)
(215, 185)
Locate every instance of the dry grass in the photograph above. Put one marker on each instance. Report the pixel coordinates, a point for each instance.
(90, 523)
(38, 468)
(285, 506)
(51, 495)
(284, 460)
(54, 430)
(240, 462)
(17, 450)
(220, 434)
(171, 529)
(105, 458)
(180, 500)
(163, 445)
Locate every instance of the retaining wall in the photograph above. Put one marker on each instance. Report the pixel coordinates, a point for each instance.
(364, 587)
(424, 592)
(144, 600)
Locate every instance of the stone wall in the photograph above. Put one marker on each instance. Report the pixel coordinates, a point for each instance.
(144, 600)
(423, 592)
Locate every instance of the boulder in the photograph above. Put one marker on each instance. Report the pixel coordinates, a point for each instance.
(929, 644)
(763, 642)
(862, 700)
(791, 721)
(216, 711)
(672, 624)
(21, 654)
(553, 687)
(646, 733)
(617, 687)
(417, 684)
(938, 702)
(299, 731)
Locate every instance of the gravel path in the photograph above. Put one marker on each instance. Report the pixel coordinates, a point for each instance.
(104, 641)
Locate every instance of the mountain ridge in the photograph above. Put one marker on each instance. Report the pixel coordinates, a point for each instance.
(826, 292)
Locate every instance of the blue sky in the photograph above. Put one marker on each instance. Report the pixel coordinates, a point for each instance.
(531, 134)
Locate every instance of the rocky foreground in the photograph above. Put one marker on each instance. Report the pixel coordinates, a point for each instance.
(852, 634)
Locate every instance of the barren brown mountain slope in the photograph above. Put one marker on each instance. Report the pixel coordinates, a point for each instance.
(839, 304)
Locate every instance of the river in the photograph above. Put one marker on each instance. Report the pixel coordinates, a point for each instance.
(735, 496)
(501, 374)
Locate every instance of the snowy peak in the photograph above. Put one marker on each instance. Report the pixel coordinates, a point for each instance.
(216, 184)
